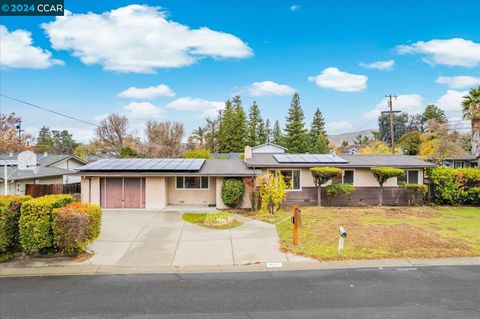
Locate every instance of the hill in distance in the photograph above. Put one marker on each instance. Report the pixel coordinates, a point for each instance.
(349, 136)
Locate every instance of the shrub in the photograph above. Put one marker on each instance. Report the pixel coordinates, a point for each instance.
(232, 191)
(272, 192)
(321, 175)
(472, 196)
(9, 216)
(415, 192)
(75, 226)
(200, 153)
(218, 219)
(336, 188)
(446, 185)
(382, 174)
(36, 221)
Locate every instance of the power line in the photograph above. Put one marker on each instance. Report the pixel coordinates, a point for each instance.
(48, 110)
(391, 112)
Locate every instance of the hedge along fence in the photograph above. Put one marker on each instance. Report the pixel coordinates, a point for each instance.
(35, 225)
(9, 217)
(75, 226)
(455, 186)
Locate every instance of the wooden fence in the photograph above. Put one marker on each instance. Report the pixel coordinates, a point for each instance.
(37, 190)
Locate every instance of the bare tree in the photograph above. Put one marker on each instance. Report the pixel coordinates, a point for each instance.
(112, 132)
(164, 139)
(12, 138)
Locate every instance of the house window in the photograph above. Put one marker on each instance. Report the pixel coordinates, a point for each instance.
(192, 182)
(410, 177)
(348, 176)
(290, 176)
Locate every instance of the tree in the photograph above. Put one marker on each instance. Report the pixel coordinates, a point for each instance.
(439, 143)
(198, 153)
(240, 125)
(471, 111)
(376, 147)
(400, 127)
(127, 152)
(232, 127)
(434, 112)
(164, 139)
(10, 139)
(44, 140)
(277, 134)
(410, 142)
(212, 133)
(382, 174)
(112, 132)
(318, 134)
(262, 132)
(296, 136)
(254, 125)
(63, 143)
(416, 122)
(272, 192)
(198, 136)
(362, 140)
(344, 143)
(268, 131)
(321, 175)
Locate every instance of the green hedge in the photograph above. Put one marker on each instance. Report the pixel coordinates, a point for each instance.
(455, 186)
(35, 225)
(416, 192)
(232, 191)
(9, 216)
(75, 226)
(334, 189)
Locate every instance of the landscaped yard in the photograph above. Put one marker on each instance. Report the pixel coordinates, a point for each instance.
(382, 232)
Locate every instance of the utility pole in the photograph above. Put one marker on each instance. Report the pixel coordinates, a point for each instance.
(391, 112)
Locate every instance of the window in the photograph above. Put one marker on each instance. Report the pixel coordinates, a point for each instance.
(348, 176)
(290, 176)
(192, 182)
(410, 177)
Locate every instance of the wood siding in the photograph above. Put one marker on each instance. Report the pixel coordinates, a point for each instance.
(362, 196)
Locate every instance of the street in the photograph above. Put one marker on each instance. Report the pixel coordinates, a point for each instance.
(415, 292)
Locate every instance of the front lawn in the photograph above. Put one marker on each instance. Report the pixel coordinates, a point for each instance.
(220, 220)
(382, 232)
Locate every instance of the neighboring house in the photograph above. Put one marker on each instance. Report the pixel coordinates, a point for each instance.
(157, 183)
(269, 148)
(350, 149)
(51, 169)
(461, 162)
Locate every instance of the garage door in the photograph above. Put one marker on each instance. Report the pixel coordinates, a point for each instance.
(118, 192)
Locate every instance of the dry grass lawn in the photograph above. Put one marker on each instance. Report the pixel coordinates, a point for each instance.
(382, 232)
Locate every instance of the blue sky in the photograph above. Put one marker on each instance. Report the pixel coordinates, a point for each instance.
(341, 56)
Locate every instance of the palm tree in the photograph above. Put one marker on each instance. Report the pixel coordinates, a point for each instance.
(471, 111)
(198, 134)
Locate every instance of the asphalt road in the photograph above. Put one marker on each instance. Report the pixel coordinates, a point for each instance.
(428, 292)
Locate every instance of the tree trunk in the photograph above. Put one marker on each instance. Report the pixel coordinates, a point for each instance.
(476, 138)
(381, 196)
(319, 198)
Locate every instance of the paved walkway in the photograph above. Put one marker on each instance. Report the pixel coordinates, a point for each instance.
(141, 238)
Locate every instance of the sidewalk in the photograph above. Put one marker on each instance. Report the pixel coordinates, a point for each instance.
(83, 269)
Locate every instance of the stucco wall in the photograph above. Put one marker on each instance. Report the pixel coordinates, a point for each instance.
(69, 164)
(246, 202)
(191, 196)
(155, 192)
(94, 197)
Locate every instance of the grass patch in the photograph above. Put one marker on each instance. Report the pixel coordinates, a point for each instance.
(220, 220)
(382, 232)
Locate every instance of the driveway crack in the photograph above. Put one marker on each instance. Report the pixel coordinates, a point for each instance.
(178, 243)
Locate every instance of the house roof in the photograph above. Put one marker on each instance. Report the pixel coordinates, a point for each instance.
(353, 160)
(211, 167)
(467, 158)
(268, 144)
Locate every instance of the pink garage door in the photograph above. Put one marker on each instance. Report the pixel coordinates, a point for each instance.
(122, 192)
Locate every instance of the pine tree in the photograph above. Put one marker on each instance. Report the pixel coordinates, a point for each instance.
(318, 134)
(240, 125)
(268, 131)
(253, 129)
(262, 133)
(227, 125)
(277, 134)
(44, 140)
(296, 135)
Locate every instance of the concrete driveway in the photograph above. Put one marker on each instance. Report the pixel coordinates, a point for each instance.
(156, 238)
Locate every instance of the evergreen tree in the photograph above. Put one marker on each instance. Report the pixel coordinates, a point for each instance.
(227, 128)
(63, 143)
(434, 112)
(268, 131)
(253, 126)
(277, 134)
(44, 140)
(240, 125)
(296, 135)
(318, 134)
(262, 132)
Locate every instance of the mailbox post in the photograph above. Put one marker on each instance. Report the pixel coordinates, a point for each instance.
(296, 222)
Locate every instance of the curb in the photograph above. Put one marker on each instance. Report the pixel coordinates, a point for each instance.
(79, 270)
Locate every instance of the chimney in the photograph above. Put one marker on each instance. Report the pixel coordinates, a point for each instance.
(10, 154)
(247, 153)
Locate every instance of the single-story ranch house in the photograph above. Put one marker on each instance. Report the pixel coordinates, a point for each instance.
(158, 182)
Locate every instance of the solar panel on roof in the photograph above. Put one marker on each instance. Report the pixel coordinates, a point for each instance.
(145, 164)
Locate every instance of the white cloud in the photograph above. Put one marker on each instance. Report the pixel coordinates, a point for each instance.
(410, 103)
(338, 127)
(142, 111)
(17, 51)
(453, 52)
(459, 82)
(139, 39)
(294, 8)
(208, 108)
(333, 78)
(147, 93)
(451, 103)
(379, 65)
(269, 88)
